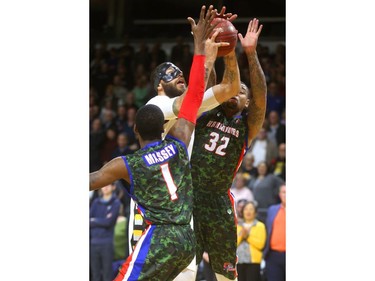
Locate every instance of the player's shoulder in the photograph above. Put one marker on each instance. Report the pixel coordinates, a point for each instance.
(160, 100)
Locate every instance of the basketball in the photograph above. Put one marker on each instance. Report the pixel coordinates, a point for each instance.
(229, 34)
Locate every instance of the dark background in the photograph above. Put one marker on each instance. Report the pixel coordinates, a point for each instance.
(111, 20)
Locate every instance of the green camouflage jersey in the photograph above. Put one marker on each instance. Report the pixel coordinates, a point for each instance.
(219, 146)
(161, 183)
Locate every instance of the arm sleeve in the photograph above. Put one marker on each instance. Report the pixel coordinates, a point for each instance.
(165, 104)
(193, 99)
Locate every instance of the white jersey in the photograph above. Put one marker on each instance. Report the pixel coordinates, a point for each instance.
(166, 105)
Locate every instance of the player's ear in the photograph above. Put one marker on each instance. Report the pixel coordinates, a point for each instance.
(160, 87)
(135, 130)
(247, 103)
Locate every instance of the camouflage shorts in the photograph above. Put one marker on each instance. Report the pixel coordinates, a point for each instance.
(216, 231)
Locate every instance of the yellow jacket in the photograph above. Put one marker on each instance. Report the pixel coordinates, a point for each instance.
(255, 240)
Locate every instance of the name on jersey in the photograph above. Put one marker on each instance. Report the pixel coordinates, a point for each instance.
(161, 155)
(223, 128)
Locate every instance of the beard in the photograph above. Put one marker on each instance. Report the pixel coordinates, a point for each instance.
(171, 91)
(230, 105)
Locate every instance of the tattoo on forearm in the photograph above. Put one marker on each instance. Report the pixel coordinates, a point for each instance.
(257, 78)
(230, 68)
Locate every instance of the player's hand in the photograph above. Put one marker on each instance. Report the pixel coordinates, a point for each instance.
(203, 28)
(250, 41)
(227, 16)
(212, 47)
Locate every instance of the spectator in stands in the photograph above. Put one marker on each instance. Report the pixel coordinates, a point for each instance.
(278, 166)
(240, 190)
(265, 188)
(142, 90)
(129, 126)
(122, 147)
(96, 142)
(247, 166)
(275, 130)
(263, 149)
(119, 89)
(130, 101)
(275, 249)
(120, 119)
(104, 211)
(251, 238)
(239, 205)
(109, 145)
(275, 102)
(101, 80)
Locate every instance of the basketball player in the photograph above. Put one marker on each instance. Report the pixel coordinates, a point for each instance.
(222, 137)
(159, 174)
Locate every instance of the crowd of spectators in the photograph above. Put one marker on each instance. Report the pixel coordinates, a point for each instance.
(120, 84)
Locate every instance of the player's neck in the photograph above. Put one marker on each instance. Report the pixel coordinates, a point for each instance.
(144, 143)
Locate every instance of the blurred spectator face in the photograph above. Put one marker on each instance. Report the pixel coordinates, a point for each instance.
(272, 89)
(107, 190)
(249, 160)
(122, 140)
(239, 206)
(240, 181)
(96, 125)
(131, 113)
(111, 134)
(262, 169)
(273, 118)
(262, 135)
(108, 116)
(121, 111)
(249, 212)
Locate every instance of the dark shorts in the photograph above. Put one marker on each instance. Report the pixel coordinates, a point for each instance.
(216, 231)
(161, 253)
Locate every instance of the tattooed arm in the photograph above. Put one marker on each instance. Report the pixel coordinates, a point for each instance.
(258, 100)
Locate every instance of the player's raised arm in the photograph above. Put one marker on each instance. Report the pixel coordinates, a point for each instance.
(194, 96)
(258, 100)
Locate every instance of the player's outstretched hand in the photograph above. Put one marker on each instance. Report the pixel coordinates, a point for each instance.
(203, 28)
(228, 16)
(250, 41)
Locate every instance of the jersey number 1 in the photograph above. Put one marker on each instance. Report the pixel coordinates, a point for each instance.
(172, 188)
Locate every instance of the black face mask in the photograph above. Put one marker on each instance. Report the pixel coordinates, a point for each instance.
(161, 73)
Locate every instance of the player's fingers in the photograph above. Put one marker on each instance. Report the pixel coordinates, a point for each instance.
(222, 11)
(260, 29)
(209, 13)
(217, 31)
(223, 44)
(232, 18)
(250, 26)
(191, 21)
(203, 10)
(240, 36)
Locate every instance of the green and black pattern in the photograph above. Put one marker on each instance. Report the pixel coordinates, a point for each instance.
(219, 146)
(151, 191)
